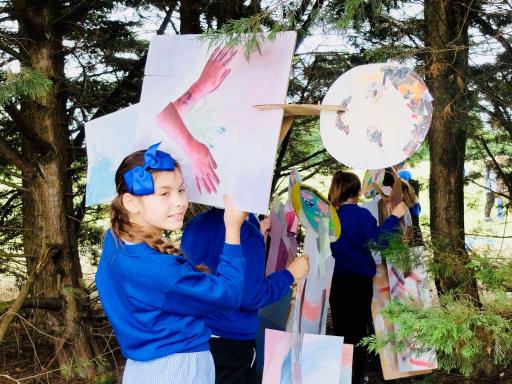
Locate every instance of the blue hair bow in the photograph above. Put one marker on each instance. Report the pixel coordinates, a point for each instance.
(139, 180)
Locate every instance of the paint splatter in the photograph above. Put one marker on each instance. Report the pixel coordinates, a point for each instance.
(374, 135)
(210, 135)
(340, 124)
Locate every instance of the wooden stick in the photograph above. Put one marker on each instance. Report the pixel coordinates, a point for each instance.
(300, 109)
(285, 127)
(18, 302)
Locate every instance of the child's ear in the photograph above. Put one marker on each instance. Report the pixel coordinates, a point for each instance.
(130, 203)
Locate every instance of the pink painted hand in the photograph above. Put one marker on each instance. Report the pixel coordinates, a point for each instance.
(215, 71)
(170, 119)
(213, 75)
(201, 160)
(203, 165)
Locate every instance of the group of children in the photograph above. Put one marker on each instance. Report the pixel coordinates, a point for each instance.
(190, 314)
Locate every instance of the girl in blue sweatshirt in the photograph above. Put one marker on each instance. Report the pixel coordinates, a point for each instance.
(155, 299)
(234, 332)
(352, 281)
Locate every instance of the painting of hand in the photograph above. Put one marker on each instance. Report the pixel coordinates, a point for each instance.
(203, 165)
(212, 76)
(215, 71)
(170, 119)
(201, 160)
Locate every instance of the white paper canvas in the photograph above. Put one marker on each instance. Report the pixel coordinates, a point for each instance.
(240, 139)
(109, 140)
(388, 114)
(321, 359)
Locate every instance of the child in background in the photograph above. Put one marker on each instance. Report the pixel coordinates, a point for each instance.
(234, 332)
(155, 299)
(352, 281)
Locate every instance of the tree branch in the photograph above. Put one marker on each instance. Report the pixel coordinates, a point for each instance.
(130, 78)
(44, 148)
(7, 48)
(49, 303)
(18, 302)
(166, 20)
(487, 29)
(303, 160)
(304, 29)
(16, 159)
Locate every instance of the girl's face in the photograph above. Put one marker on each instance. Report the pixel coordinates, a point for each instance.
(164, 209)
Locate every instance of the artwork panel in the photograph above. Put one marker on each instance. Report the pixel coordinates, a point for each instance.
(240, 139)
(109, 139)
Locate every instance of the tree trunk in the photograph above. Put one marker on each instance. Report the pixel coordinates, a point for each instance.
(190, 17)
(47, 206)
(228, 10)
(446, 34)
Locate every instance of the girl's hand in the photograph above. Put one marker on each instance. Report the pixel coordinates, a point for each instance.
(299, 267)
(233, 217)
(214, 72)
(265, 226)
(399, 210)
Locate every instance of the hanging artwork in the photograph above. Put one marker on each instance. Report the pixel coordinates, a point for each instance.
(388, 111)
(200, 103)
(311, 207)
(282, 250)
(389, 282)
(372, 176)
(383, 328)
(109, 140)
(290, 214)
(346, 364)
(281, 244)
(412, 288)
(322, 359)
(314, 291)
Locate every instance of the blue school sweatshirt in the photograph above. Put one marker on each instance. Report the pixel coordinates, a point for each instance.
(358, 227)
(156, 302)
(202, 241)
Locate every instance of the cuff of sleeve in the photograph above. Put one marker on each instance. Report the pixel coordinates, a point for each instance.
(232, 250)
(394, 219)
(288, 276)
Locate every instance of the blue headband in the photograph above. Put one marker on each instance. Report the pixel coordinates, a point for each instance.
(139, 180)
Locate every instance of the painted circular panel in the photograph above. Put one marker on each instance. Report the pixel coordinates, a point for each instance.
(372, 176)
(388, 111)
(311, 207)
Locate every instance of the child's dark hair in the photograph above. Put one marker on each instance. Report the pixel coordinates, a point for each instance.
(389, 179)
(121, 226)
(344, 185)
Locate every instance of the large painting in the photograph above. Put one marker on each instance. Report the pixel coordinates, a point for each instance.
(200, 103)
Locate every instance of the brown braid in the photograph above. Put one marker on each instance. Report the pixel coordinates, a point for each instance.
(121, 226)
